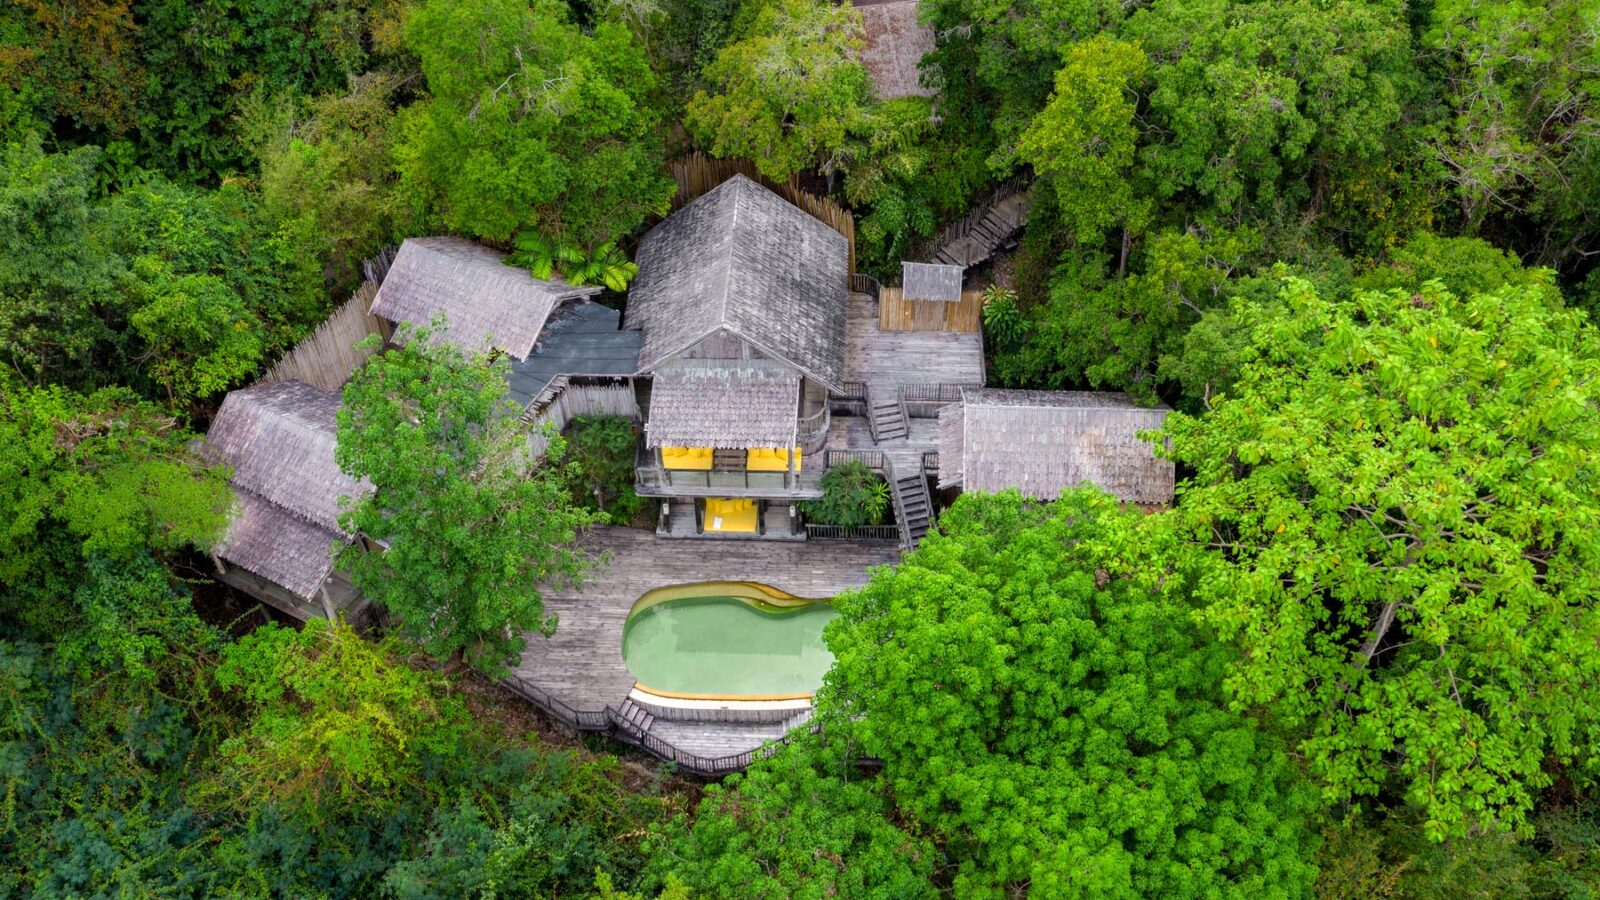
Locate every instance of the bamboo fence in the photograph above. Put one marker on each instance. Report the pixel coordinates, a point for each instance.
(898, 314)
(697, 173)
(326, 359)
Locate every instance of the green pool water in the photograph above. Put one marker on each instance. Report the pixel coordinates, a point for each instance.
(727, 640)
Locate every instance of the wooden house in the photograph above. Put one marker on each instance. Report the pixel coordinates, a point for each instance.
(279, 440)
(1045, 442)
(740, 302)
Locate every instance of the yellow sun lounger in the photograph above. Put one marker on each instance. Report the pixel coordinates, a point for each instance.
(698, 458)
(763, 459)
(737, 515)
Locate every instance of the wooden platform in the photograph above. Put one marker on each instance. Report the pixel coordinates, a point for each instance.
(889, 358)
(581, 664)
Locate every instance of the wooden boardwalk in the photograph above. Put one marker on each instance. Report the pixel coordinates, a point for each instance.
(892, 358)
(581, 664)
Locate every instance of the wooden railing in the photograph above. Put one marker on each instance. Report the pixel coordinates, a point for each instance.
(865, 284)
(811, 428)
(853, 397)
(852, 532)
(610, 721)
(955, 231)
(874, 459)
(925, 400)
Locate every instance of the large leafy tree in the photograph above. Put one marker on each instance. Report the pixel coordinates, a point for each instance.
(471, 531)
(786, 93)
(95, 492)
(1399, 492)
(1040, 704)
(531, 123)
(796, 825)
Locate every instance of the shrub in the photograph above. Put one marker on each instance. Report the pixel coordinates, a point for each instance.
(852, 494)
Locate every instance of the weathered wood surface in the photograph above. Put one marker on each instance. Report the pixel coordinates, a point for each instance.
(581, 664)
(328, 356)
(986, 229)
(891, 358)
(714, 739)
(895, 313)
(698, 174)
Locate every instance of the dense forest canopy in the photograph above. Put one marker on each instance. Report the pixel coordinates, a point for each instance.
(1353, 243)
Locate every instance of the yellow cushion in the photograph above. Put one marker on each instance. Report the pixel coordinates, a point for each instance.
(775, 459)
(730, 515)
(686, 458)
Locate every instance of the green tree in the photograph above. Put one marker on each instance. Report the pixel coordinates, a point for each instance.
(1398, 494)
(95, 491)
(531, 123)
(600, 450)
(471, 530)
(786, 93)
(1041, 704)
(795, 825)
(332, 721)
(1084, 140)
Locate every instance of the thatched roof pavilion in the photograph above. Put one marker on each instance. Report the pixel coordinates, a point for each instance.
(896, 43)
(485, 303)
(730, 406)
(279, 439)
(742, 261)
(1044, 442)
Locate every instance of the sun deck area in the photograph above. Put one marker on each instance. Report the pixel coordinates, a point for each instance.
(876, 357)
(581, 668)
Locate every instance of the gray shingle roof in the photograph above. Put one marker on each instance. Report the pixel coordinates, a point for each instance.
(930, 281)
(484, 301)
(750, 404)
(581, 337)
(1044, 442)
(896, 43)
(743, 259)
(279, 439)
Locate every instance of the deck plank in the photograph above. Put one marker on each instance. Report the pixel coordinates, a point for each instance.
(581, 664)
(891, 358)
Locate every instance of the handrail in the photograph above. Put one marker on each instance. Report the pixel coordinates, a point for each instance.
(962, 227)
(818, 532)
(811, 427)
(874, 459)
(872, 418)
(611, 721)
(861, 283)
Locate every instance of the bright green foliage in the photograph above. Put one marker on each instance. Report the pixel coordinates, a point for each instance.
(531, 123)
(1398, 492)
(1259, 97)
(852, 495)
(327, 172)
(175, 292)
(786, 94)
(547, 258)
(471, 532)
(1083, 142)
(1041, 705)
(333, 720)
(90, 489)
(1002, 320)
(1463, 265)
(796, 826)
(600, 450)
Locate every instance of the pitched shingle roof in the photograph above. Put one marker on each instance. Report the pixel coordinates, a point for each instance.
(896, 43)
(1044, 442)
(743, 259)
(279, 439)
(743, 405)
(484, 301)
(930, 281)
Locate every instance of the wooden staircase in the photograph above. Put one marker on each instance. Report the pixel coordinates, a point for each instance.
(987, 229)
(889, 418)
(633, 719)
(912, 506)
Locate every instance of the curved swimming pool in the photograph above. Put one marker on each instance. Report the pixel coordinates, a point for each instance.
(727, 641)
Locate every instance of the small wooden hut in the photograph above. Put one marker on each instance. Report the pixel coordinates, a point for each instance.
(279, 439)
(1045, 442)
(895, 44)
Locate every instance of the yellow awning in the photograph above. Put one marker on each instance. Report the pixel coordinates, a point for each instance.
(730, 515)
(686, 458)
(776, 459)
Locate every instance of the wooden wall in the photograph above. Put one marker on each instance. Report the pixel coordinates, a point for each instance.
(583, 399)
(898, 314)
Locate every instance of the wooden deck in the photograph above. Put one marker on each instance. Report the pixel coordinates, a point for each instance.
(890, 358)
(581, 664)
